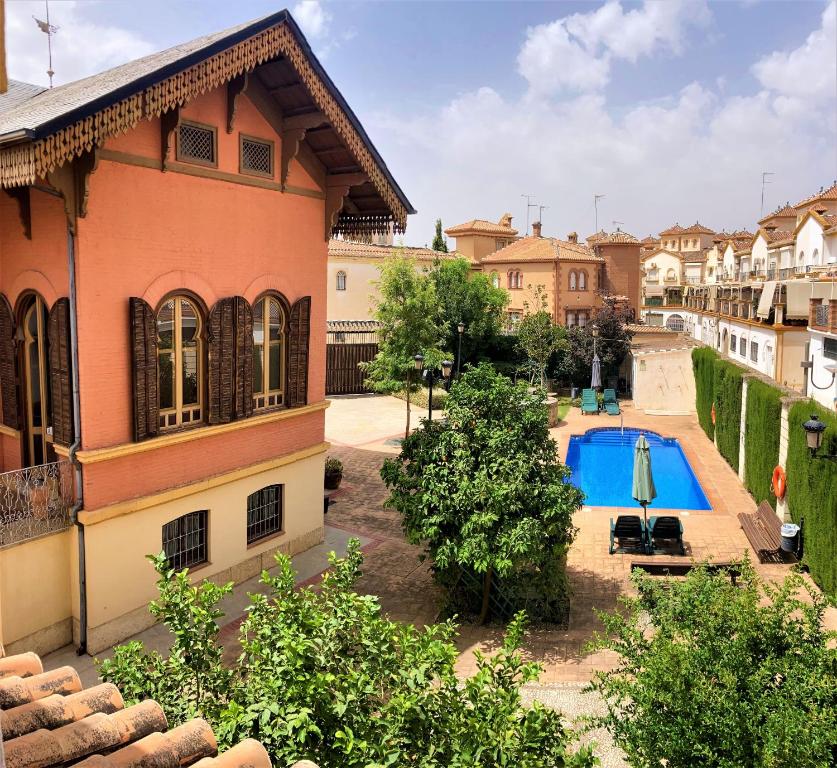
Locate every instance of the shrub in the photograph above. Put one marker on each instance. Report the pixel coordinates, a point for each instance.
(812, 493)
(325, 676)
(722, 675)
(761, 440)
(726, 384)
(702, 360)
(333, 465)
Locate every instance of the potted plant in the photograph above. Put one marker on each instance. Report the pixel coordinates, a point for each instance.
(333, 473)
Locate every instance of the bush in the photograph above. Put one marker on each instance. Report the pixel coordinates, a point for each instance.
(721, 675)
(726, 384)
(761, 440)
(812, 493)
(702, 361)
(325, 676)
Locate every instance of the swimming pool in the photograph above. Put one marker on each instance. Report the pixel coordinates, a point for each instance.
(602, 462)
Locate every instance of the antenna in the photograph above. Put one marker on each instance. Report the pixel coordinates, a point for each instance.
(764, 181)
(541, 209)
(49, 30)
(618, 224)
(596, 199)
(529, 204)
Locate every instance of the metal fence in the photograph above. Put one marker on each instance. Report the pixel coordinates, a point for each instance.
(346, 348)
(35, 501)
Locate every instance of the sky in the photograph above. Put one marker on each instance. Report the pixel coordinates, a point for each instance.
(671, 109)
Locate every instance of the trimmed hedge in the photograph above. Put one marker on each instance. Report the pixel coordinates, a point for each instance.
(726, 383)
(812, 494)
(703, 359)
(761, 440)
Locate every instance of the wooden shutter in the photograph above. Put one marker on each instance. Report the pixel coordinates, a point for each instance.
(61, 372)
(299, 332)
(8, 356)
(230, 360)
(144, 369)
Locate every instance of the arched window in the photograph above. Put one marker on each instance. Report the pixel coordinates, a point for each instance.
(181, 367)
(341, 281)
(495, 279)
(815, 258)
(269, 351)
(800, 259)
(671, 275)
(510, 279)
(264, 513)
(185, 540)
(675, 323)
(582, 281)
(572, 281)
(519, 279)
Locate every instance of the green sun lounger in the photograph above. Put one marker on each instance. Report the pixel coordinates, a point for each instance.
(610, 403)
(589, 402)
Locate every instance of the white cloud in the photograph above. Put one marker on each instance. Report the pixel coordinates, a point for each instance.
(698, 154)
(575, 53)
(312, 17)
(81, 47)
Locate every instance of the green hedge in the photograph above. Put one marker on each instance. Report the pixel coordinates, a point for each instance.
(812, 494)
(761, 440)
(726, 383)
(702, 361)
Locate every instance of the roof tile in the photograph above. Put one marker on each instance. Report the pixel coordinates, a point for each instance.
(541, 249)
(823, 194)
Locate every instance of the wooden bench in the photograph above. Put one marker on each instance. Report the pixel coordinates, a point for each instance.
(659, 568)
(762, 529)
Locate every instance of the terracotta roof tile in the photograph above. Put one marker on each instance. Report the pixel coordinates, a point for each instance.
(698, 229)
(784, 211)
(541, 249)
(48, 721)
(823, 194)
(616, 237)
(353, 249)
(675, 230)
(776, 235)
(650, 239)
(483, 227)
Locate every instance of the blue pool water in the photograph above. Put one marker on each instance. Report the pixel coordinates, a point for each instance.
(602, 462)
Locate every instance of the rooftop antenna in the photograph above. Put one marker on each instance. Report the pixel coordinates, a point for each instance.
(49, 30)
(596, 199)
(529, 204)
(618, 224)
(764, 181)
(541, 209)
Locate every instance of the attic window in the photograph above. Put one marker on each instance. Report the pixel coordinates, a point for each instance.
(256, 156)
(197, 144)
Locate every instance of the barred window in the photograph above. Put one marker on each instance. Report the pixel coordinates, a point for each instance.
(197, 144)
(264, 512)
(341, 281)
(754, 351)
(184, 540)
(256, 156)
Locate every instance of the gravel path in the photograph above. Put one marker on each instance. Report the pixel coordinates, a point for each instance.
(572, 702)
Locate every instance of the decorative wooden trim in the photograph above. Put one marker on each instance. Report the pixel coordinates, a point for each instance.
(242, 137)
(169, 122)
(235, 88)
(21, 195)
(72, 181)
(93, 517)
(181, 158)
(291, 140)
(97, 455)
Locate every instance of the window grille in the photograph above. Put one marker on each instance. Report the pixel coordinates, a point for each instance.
(184, 540)
(196, 144)
(822, 315)
(256, 157)
(264, 512)
(742, 347)
(341, 281)
(733, 345)
(754, 351)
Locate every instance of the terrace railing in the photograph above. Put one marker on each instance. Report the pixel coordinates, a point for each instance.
(35, 501)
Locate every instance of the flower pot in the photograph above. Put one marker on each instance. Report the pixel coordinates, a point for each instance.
(332, 480)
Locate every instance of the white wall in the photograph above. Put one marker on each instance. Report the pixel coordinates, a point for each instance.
(663, 381)
(730, 266)
(808, 240)
(826, 397)
(830, 248)
(766, 340)
(759, 253)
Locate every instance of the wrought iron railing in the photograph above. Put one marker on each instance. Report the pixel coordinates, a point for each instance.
(821, 315)
(786, 273)
(35, 501)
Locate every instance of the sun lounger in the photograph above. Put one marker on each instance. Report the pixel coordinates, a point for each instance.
(628, 530)
(665, 528)
(609, 395)
(589, 401)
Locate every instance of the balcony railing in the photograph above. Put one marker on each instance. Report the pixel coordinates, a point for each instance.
(786, 273)
(693, 280)
(35, 501)
(821, 315)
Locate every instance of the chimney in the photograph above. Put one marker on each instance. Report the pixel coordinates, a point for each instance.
(536, 229)
(573, 237)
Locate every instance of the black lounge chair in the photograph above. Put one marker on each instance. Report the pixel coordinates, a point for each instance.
(628, 530)
(665, 529)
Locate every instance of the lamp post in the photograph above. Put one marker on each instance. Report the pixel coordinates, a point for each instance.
(461, 329)
(430, 373)
(813, 433)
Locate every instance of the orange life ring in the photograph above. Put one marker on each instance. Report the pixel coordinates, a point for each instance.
(779, 482)
(713, 413)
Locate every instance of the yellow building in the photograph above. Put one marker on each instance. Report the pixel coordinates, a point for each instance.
(477, 238)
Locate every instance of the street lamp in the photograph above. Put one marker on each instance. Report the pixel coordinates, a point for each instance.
(461, 329)
(430, 374)
(813, 434)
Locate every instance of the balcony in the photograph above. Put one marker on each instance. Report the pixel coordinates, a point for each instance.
(693, 281)
(35, 501)
(786, 273)
(823, 315)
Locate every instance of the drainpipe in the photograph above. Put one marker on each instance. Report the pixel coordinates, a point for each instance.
(79, 504)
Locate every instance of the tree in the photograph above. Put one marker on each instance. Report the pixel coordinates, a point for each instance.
(439, 241)
(470, 298)
(537, 336)
(410, 323)
(575, 359)
(484, 491)
(323, 675)
(718, 674)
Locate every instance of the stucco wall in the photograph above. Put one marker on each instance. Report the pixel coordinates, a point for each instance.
(663, 381)
(828, 396)
(663, 262)
(354, 303)
(621, 275)
(808, 240)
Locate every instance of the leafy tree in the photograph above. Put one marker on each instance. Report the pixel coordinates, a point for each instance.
(410, 323)
(485, 491)
(439, 241)
(323, 675)
(470, 298)
(537, 336)
(575, 359)
(721, 675)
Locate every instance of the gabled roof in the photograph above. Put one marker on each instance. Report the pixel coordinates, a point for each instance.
(18, 93)
(698, 229)
(825, 220)
(617, 237)
(483, 227)
(53, 126)
(782, 212)
(353, 249)
(542, 249)
(775, 236)
(823, 194)
(675, 230)
(651, 254)
(650, 239)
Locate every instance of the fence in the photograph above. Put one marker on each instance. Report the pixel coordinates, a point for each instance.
(35, 501)
(345, 350)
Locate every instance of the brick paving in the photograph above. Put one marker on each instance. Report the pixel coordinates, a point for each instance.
(392, 569)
